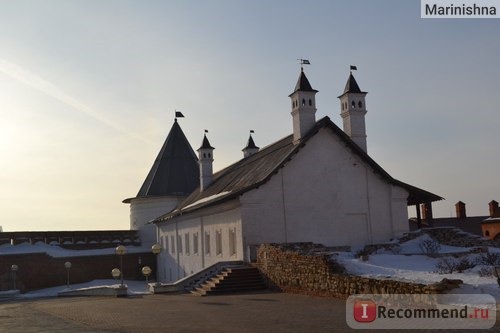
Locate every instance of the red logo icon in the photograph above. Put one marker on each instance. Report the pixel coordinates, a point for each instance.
(365, 311)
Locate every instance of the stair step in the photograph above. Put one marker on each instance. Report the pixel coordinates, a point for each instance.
(232, 280)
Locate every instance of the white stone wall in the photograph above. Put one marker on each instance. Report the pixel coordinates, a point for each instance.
(176, 261)
(143, 210)
(326, 195)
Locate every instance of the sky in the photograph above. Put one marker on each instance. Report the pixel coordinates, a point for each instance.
(88, 91)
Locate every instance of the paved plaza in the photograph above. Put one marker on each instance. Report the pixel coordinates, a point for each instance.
(263, 312)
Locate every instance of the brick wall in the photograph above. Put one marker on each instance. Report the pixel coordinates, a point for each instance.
(307, 268)
(39, 270)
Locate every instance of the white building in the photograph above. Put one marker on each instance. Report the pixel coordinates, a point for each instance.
(316, 185)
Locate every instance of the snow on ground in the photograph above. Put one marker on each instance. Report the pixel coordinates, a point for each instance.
(56, 251)
(134, 288)
(410, 265)
(412, 246)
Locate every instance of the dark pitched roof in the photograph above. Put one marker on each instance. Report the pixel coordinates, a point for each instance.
(175, 170)
(205, 144)
(352, 86)
(253, 171)
(303, 83)
(250, 144)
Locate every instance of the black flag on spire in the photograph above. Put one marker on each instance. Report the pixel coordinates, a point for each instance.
(252, 131)
(354, 68)
(178, 114)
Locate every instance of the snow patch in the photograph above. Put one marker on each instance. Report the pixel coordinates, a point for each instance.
(206, 199)
(59, 252)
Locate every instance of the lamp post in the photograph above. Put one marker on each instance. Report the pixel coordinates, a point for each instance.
(120, 251)
(14, 269)
(115, 272)
(67, 264)
(156, 249)
(146, 271)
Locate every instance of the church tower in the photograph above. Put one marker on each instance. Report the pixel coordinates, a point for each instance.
(353, 111)
(303, 107)
(206, 159)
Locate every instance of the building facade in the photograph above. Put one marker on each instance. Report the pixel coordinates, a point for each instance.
(316, 185)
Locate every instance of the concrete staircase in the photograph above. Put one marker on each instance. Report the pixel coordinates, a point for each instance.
(232, 280)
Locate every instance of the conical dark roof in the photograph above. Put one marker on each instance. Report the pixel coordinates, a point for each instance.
(175, 170)
(303, 83)
(205, 144)
(250, 144)
(352, 86)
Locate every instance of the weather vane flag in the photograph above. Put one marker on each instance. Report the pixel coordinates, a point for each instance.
(178, 114)
(303, 62)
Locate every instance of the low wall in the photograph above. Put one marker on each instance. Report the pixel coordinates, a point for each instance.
(75, 240)
(39, 270)
(306, 269)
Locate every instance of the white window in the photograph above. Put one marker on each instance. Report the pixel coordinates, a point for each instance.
(186, 240)
(232, 241)
(195, 243)
(207, 242)
(218, 242)
(172, 243)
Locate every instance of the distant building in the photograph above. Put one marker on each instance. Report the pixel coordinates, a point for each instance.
(470, 224)
(317, 184)
(491, 225)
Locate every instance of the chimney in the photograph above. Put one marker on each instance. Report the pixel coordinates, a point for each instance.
(205, 159)
(460, 208)
(426, 211)
(494, 210)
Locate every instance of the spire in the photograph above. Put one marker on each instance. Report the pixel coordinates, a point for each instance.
(352, 86)
(205, 144)
(175, 170)
(303, 83)
(250, 148)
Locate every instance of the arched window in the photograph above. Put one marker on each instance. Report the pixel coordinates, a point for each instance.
(208, 155)
(303, 101)
(360, 105)
(353, 104)
(204, 155)
(486, 233)
(310, 102)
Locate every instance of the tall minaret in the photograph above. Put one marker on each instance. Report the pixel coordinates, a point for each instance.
(353, 111)
(206, 159)
(303, 107)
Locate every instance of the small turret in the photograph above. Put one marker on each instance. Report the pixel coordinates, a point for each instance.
(205, 158)
(250, 148)
(353, 111)
(303, 107)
